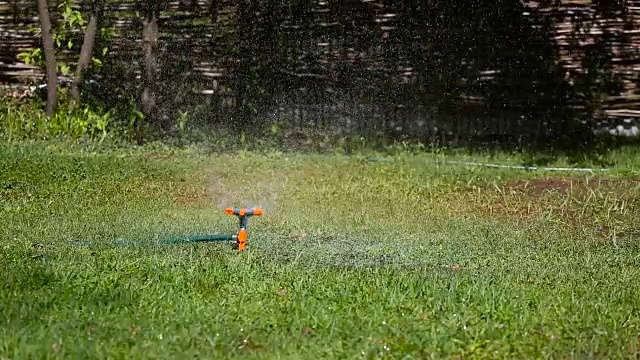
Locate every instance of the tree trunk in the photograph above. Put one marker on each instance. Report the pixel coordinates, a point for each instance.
(85, 55)
(49, 56)
(150, 34)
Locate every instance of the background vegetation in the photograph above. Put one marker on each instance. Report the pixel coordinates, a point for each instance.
(534, 75)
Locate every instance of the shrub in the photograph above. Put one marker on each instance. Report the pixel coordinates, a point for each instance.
(24, 118)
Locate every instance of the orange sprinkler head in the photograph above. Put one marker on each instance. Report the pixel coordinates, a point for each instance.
(257, 211)
(244, 211)
(243, 214)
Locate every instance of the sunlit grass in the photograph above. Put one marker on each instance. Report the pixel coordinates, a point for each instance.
(353, 258)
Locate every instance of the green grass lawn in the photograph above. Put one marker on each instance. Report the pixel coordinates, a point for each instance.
(352, 259)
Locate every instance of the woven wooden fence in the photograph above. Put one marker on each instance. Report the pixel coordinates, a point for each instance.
(345, 66)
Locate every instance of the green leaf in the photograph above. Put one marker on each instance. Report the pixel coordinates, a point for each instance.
(64, 69)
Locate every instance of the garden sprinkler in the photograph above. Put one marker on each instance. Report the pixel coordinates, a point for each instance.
(243, 215)
(240, 237)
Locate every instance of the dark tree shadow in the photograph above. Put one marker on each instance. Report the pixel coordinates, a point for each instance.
(503, 53)
(457, 52)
